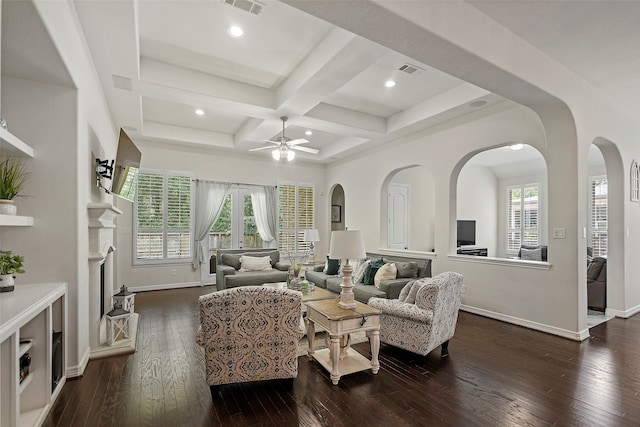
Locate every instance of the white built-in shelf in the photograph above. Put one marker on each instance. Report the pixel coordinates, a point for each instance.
(26, 381)
(24, 347)
(16, 220)
(13, 145)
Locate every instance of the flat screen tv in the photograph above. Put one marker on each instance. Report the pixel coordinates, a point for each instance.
(466, 232)
(124, 176)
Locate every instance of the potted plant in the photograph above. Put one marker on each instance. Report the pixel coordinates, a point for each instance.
(10, 264)
(13, 175)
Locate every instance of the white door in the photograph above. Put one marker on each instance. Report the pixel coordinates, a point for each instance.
(398, 216)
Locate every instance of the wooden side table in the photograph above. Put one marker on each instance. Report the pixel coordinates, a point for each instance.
(342, 322)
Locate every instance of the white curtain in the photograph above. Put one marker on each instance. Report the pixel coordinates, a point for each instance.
(210, 198)
(265, 208)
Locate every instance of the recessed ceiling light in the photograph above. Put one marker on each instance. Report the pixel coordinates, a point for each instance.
(516, 147)
(389, 83)
(200, 112)
(235, 31)
(308, 133)
(477, 104)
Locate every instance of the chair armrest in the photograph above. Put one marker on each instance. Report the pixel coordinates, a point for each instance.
(282, 266)
(221, 272)
(396, 308)
(200, 337)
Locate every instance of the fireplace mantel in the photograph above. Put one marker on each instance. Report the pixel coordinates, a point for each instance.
(102, 215)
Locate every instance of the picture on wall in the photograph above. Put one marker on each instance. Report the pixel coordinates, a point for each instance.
(336, 213)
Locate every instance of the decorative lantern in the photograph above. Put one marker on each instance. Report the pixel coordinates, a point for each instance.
(125, 298)
(117, 324)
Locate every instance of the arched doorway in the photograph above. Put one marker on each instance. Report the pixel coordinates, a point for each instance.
(337, 208)
(407, 210)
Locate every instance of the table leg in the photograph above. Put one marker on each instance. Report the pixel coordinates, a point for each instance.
(375, 348)
(311, 334)
(334, 352)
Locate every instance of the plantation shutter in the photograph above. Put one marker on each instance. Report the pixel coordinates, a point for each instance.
(530, 217)
(163, 216)
(297, 213)
(514, 232)
(150, 207)
(522, 216)
(178, 217)
(599, 216)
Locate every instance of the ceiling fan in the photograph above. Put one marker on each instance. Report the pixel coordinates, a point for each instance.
(285, 146)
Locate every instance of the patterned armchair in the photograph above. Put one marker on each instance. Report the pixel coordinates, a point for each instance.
(424, 316)
(250, 333)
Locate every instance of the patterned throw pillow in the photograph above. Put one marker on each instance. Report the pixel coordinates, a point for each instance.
(386, 272)
(405, 291)
(250, 263)
(531, 254)
(358, 275)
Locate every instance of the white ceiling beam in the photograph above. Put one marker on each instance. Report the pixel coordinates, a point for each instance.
(452, 98)
(199, 85)
(166, 132)
(346, 122)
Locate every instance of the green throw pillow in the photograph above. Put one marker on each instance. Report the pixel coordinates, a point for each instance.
(371, 271)
(333, 265)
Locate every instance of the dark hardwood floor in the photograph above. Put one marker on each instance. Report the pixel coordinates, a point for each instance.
(497, 375)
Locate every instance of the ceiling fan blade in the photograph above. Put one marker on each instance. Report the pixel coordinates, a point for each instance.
(261, 148)
(297, 141)
(306, 149)
(272, 141)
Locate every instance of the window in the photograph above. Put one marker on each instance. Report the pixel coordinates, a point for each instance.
(297, 213)
(236, 226)
(162, 217)
(598, 221)
(522, 216)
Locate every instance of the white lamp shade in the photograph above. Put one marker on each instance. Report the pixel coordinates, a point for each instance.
(347, 245)
(311, 235)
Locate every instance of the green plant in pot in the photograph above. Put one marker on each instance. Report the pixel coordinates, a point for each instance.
(10, 265)
(13, 175)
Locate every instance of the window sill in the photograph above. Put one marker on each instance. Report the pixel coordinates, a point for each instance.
(518, 263)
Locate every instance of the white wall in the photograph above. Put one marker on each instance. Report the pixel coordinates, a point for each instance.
(215, 167)
(68, 125)
(478, 200)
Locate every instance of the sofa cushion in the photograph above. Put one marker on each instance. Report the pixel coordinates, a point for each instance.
(251, 263)
(232, 260)
(595, 267)
(386, 272)
(362, 293)
(255, 278)
(334, 283)
(407, 269)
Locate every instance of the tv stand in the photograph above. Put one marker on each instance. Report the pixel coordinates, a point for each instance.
(471, 250)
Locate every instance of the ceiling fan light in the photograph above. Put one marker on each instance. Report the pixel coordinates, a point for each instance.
(290, 155)
(275, 154)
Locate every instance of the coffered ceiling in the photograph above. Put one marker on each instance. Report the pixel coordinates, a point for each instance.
(159, 61)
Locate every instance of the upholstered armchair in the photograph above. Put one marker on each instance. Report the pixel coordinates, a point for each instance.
(250, 333)
(424, 316)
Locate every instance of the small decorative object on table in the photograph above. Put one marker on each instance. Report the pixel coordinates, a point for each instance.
(9, 265)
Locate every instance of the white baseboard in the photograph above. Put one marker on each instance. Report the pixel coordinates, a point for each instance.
(78, 370)
(564, 333)
(624, 314)
(162, 287)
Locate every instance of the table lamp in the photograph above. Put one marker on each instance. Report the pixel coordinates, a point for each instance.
(311, 235)
(346, 245)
